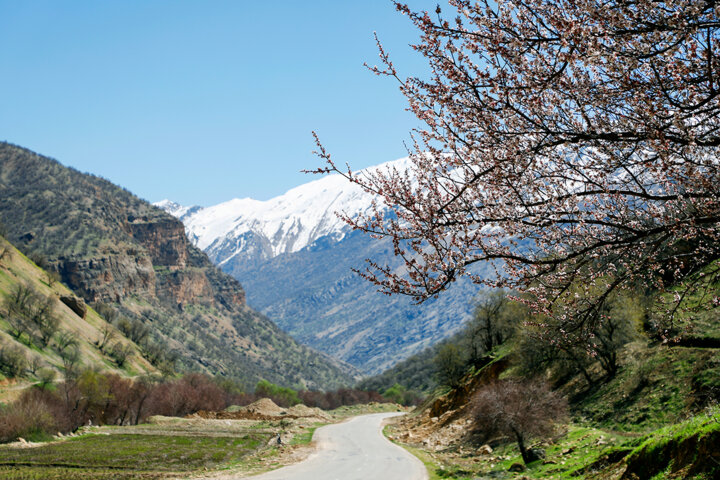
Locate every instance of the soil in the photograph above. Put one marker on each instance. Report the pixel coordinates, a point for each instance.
(263, 409)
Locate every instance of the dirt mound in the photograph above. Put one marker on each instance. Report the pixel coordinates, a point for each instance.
(301, 410)
(264, 406)
(238, 415)
(263, 409)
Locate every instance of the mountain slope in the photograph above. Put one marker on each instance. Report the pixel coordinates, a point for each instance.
(17, 271)
(295, 258)
(112, 247)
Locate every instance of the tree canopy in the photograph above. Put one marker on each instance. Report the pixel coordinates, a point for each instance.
(570, 142)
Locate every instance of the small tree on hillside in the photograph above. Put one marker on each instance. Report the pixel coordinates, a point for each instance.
(495, 320)
(13, 360)
(18, 309)
(450, 365)
(5, 252)
(520, 409)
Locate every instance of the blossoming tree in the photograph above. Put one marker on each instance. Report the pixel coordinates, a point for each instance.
(572, 142)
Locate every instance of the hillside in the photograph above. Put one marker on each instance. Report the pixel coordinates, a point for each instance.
(654, 416)
(37, 353)
(113, 248)
(295, 257)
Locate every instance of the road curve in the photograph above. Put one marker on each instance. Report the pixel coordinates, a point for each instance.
(353, 450)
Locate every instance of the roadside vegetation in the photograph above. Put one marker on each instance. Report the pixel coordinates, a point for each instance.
(637, 395)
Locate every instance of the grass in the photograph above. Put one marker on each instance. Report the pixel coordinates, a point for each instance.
(126, 456)
(686, 450)
(661, 386)
(305, 437)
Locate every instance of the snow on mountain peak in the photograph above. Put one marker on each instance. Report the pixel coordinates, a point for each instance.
(173, 208)
(288, 222)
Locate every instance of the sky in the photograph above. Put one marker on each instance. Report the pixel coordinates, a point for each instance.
(200, 102)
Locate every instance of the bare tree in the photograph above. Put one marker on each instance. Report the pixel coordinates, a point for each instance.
(52, 277)
(36, 362)
(520, 409)
(18, 307)
(71, 360)
(568, 140)
(65, 340)
(5, 252)
(107, 335)
(121, 353)
(47, 324)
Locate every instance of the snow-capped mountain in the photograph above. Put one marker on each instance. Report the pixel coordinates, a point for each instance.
(258, 230)
(294, 257)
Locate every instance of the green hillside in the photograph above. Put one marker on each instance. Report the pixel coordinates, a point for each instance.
(643, 404)
(116, 250)
(26, 356)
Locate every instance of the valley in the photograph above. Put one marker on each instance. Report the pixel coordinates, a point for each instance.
(295, 258)
(127, 258)
(530, 291)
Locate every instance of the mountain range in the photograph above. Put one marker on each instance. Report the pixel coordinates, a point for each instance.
(121, 254)
(295, 256)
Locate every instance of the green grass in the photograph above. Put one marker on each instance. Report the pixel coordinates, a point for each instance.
(305, 437)
(125, 456)
(686, 450)
(662, 386)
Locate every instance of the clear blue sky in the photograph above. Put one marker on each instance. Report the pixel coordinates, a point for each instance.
(203, 101)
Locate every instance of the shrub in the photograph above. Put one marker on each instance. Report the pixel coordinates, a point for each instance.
(520, 409)
(29, 419)
(13, 360)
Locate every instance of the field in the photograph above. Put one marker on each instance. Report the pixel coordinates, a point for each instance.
(126, 456)
(169, 447)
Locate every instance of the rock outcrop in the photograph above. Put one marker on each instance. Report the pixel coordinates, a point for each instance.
(108, 278)
(164, 238)
(75, 304)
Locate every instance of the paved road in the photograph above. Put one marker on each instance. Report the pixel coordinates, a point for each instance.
(354, 450)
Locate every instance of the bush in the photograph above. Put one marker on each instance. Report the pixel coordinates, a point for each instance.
(29, 419)
(520, 409)
(13, 360)
(399, 394)
(282, 396)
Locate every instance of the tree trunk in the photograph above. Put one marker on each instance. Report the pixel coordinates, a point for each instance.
(521, 445)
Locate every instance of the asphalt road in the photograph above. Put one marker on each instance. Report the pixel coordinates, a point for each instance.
(354, 450)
